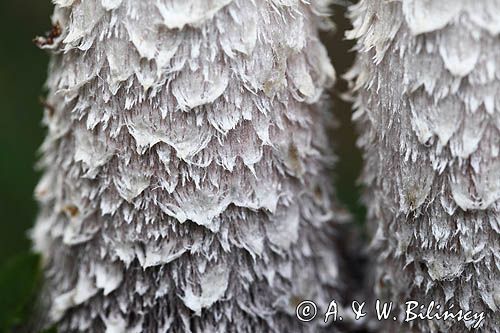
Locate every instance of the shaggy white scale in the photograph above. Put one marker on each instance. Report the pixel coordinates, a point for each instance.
(428, 109)
(186, 185)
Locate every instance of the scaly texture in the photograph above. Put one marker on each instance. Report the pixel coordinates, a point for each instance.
(428, 108)
(185, 185)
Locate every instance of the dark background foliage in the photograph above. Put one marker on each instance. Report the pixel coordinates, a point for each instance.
(22, 74)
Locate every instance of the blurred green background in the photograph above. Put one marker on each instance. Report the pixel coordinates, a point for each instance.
(22, 74)
(23, 69)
